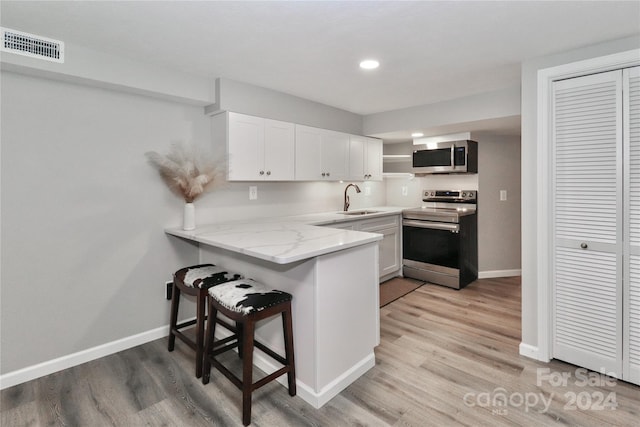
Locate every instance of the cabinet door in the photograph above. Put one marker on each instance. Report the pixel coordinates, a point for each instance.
(357, 156)
(389, 251)
(631, 103)
(279, 150)
(587, 203)
(389, 247)
(245, 147)
(308, 153)
(373, 164)
(335, 155)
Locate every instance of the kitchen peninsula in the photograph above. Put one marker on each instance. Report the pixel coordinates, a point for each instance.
(332, 274)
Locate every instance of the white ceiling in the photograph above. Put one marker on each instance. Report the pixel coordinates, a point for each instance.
(429, 51)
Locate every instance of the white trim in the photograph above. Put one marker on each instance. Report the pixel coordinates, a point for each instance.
(331, 390)
(489, 274)
(304, 391)
(546, 77)
(49, 367)
(531, 352)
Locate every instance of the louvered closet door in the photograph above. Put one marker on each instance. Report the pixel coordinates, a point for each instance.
(631, 340)
(587, 138)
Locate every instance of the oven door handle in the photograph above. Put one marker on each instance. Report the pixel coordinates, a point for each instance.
(454, 228)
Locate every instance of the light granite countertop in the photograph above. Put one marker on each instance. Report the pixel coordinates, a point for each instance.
(283, 240)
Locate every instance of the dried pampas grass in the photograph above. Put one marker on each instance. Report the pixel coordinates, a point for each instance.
(186, 171)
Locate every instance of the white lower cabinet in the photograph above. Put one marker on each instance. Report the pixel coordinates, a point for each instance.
(389, 254)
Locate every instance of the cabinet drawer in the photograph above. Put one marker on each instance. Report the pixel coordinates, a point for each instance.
(380, 223)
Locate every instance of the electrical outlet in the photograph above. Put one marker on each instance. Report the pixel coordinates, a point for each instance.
(168, 293)
(503, 195)
(405, 190)
(367, 191)
(253, 192)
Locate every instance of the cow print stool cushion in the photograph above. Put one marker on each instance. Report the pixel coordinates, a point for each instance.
(247, 296)
(204, 276)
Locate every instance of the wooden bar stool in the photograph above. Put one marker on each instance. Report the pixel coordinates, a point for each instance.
(247, 302)
(195, 280)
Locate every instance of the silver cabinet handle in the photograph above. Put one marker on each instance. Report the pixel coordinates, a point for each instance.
(327, 173)
(261, 172)
(268, 172)
(324, 174)
(584, 245)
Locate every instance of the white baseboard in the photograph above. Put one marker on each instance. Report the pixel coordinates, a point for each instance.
(306, 393)
(490, 274)
(49, 367)
(529, 351)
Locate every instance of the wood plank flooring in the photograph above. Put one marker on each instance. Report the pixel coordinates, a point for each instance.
(446, 358)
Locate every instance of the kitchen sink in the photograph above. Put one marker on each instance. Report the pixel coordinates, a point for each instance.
(365, 212)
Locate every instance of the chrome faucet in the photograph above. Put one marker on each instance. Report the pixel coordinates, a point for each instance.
(346, 198)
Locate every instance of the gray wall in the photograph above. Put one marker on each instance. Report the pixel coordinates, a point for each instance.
(258, 101)
(530, 139)
(83, 253)
(498, 221)
(84, 256)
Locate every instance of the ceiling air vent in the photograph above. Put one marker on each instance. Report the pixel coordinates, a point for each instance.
(31, 45)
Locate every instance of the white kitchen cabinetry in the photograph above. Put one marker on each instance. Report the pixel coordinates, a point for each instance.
(389, 255)
(365, 158)
(321, 154)
(260, 149)
(596, 217)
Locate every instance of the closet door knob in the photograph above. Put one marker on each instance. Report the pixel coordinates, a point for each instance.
(584, 245)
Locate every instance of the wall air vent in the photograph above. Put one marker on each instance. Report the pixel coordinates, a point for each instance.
(31, 45)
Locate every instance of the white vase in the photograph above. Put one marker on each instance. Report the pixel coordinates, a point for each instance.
(189, 219)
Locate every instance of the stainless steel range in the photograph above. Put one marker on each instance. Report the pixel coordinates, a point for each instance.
(440, 239)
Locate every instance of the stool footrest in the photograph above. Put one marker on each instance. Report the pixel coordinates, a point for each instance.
(224, 349)
(185, 339)
(270, 352)
(185, 324)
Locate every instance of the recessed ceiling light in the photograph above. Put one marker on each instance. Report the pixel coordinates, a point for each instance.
(417, 134)
(369, 64)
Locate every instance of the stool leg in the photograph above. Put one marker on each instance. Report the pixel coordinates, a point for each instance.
(239, 336)
(247, 370)
(211, 331)
(175, 302)
(200, 313)
(288, 348)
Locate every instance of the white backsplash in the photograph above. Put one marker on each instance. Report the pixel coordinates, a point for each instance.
(395, 187)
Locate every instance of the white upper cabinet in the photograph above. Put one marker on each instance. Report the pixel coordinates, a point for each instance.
(260, 149)
(270, 150)
(279, 145)
(321, 154)
(365, 158)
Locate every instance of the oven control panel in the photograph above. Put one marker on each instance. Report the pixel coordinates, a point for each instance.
(452, 196)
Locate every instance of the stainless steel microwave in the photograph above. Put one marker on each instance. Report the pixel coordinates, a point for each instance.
(446, 157)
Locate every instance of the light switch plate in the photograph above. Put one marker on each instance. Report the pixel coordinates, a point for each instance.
(503, 195)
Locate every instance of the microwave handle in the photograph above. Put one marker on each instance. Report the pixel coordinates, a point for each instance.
(453, 155)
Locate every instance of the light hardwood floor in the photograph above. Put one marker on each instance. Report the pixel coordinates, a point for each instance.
(446, 357)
